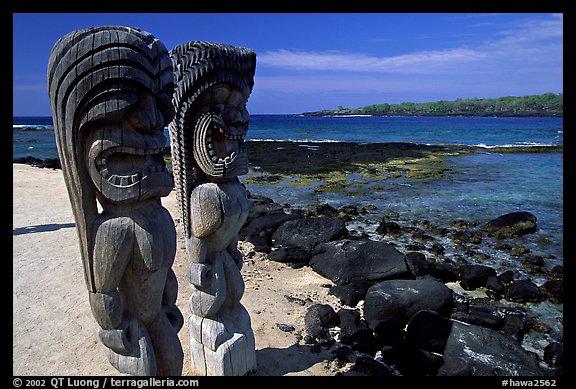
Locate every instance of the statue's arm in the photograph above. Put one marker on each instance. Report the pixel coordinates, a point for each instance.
(113, 244)
(205, 210)
(205, 218)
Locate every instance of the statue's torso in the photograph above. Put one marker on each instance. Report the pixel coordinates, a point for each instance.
(146, 233)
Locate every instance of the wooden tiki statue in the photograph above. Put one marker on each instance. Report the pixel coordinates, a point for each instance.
(110, 90)
(213, 84)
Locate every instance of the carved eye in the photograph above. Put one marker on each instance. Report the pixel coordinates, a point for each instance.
(219, 94)
(236, 99)
(146, 116)
(233, 116)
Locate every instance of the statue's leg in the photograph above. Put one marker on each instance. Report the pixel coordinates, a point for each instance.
(237, 319)
(148, 293)
(169, 307)
(223, 344)
(140, 361)
(207, 331)
(127, 341)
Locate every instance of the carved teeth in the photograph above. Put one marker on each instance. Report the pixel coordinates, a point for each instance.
(114, 179)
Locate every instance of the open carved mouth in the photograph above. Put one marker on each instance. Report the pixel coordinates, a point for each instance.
(223, 147)
(124, 166)
(219, 148)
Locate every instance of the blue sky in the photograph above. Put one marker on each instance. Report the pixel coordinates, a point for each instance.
(314, 61)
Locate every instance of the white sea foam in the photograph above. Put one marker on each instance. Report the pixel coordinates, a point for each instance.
(32, 127)
(523, 144)
(296, 140)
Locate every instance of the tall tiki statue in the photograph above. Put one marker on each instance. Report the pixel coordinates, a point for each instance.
(213, 83)
(110, 91)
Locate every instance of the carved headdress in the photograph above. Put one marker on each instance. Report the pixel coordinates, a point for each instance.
(200, 67)
(95, 78)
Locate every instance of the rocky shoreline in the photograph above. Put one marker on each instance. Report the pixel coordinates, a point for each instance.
(409, 311)
(407, 307)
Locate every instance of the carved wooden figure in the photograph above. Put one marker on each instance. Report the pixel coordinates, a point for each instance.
(213, 83)
(110, 90)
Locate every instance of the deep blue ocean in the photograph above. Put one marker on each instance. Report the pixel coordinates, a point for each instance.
(481, 187)
(34, 135)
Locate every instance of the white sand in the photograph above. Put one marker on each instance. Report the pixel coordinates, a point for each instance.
(54, 332)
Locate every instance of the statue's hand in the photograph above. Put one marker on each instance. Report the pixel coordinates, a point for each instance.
(198, 274)
(107, 309)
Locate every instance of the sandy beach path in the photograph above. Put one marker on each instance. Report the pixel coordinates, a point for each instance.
(54, 332)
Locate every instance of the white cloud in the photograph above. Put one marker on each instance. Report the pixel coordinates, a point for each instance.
(526, 46)
(420, 62)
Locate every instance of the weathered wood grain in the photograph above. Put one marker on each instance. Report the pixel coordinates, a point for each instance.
(213, 83)
(110, 91)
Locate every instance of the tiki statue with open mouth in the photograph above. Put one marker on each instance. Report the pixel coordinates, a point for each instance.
(110, 90)
(213, 83)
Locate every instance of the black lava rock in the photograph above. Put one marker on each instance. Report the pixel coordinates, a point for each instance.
(455, 367)
(347, 261)
(351, 294)
(417, 263)
(553, 289)
(514, 326)
(290, 255)
(411, 361)
(403, 298)
(389, 332)
(522, 291)
(49, 163)
(320, 317)
(264, 217)
(484, 316)
(494, 284)
(353, 329)
(285, 327)
(475, 276)
(444, 272)
(386, 227)
(306, 233)
(511, 224)
(371, 367)
(506, 277)
(428, 331)
(554, 355)
(490, 352)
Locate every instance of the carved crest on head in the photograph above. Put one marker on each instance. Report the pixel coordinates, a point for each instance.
(213, 84)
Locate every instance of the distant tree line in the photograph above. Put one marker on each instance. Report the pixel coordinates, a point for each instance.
(547, 104)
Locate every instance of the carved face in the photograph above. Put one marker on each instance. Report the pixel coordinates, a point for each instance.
(125, 158)
(220, 131)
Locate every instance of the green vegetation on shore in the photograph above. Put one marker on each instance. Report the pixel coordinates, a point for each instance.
(547, 104)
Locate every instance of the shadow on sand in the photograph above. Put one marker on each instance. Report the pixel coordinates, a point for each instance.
(294, 359)
(41, 228)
